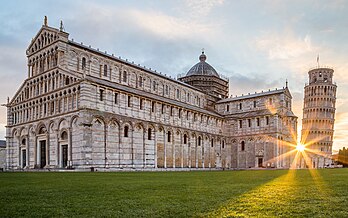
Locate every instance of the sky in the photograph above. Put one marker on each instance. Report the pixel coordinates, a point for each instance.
(256, 44)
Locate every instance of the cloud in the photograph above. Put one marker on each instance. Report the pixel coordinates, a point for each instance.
(241, 84)
(200, 8)
(168, 27)
(285, 45)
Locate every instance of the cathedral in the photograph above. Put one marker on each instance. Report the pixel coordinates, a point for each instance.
(82, 109)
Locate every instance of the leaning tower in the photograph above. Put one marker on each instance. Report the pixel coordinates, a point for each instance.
(318, 118)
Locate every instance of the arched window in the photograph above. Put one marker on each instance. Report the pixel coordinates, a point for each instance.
(154, 85)
(169, 136)
(105, 70)
(141, 102)
(67, 81)
(64, 136)
(83, 63)
(124, 76)
(199, 141)
(42, 130)
(129, 101)
(153, 106)
(101, 95)
(212, 142)
(126, 131)
(223, 144)
(185, 139)
(23, 141)
(242, 146)
(140, 81)
(149, 134)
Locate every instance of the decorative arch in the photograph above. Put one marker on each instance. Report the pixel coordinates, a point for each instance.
(41, 129)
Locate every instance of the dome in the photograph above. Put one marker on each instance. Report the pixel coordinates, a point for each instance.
(202, 68)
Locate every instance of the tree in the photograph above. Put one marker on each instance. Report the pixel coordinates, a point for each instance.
(343, 157)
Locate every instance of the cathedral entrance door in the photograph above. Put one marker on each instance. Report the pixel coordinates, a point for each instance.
(260, 161)
(42, 154)
(24, 158)
(64, 155)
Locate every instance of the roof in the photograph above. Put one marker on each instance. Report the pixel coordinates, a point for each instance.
(263, 112)
(260, 94)
(290, 114)
(202, 68)
(132, 64)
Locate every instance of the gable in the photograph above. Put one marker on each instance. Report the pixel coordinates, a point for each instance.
(21, 94)
(45, 37)
(287, 92)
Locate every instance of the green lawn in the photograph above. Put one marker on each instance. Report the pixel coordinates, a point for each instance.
(264, 193)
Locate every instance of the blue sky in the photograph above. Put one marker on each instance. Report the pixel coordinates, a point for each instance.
(257, 44)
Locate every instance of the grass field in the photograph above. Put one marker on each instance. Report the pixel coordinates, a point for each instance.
(265, 193)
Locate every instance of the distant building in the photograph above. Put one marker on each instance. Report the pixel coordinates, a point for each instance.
(2, 154)
(343, 157)
(81, 108)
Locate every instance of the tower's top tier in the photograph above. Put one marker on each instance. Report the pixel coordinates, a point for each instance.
(321, 75)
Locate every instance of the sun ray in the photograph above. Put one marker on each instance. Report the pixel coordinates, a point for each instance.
(281, 156)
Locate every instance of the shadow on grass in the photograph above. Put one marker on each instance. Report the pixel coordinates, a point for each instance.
(135, 194)
(299, 193)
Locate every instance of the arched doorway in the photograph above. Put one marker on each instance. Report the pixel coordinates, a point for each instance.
(42, 148)
(64, 149)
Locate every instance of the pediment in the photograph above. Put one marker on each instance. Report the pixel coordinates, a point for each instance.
(20, 94)
(45, 37)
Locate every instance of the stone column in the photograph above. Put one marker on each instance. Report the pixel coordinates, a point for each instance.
(144, 150)
(19, 150)
(132, 146)
(105, 144)
(155, 148)
(173, 150)
(196, 151)
(9, 140)
(57, 149)
(182, 152)
(27, 149)
(189, 152)
(47, 150)
(202, 153)
(165, 148)
(35, 151)
(70, 160)
(119, 146)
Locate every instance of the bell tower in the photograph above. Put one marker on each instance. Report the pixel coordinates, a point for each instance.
(318, 117)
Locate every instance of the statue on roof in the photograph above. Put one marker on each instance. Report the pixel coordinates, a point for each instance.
(45, 21)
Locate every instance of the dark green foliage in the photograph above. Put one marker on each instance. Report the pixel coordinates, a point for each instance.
(263, 193)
